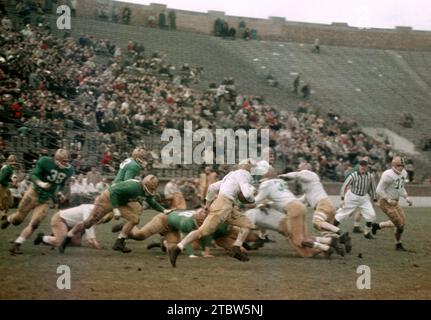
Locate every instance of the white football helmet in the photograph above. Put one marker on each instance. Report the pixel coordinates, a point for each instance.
(247, 164)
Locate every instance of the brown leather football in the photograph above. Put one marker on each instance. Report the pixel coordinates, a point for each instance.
(243, 199)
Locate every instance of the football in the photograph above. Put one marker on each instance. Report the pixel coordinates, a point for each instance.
(243, 199)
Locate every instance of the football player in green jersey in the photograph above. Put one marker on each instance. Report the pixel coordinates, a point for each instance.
(48, 177)
(183, 222)
(118, 198)
(6, 172)
(129, 169)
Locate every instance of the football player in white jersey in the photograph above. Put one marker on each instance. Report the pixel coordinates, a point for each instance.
(222, 209)
(287, 215)
(63, 221)
(390, 189)
(316, 196)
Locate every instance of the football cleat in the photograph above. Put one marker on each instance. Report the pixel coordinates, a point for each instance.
(329, 252)
(174, 252)
(5, 223)
(119, 245)
(239, 255)
(357, 229)
(117, 227)
(39, 239)
(368, 236)
(399, 247)
(335, 243)
(15, 249)
(347, 241)
(64, 244)
(258, 244)
(374, 228)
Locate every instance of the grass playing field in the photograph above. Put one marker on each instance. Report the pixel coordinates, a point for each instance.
(274, 272)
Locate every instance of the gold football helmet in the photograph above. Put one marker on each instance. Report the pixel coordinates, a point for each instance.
(139, 155)
(398, 164)
(150, 184)
(61, 158)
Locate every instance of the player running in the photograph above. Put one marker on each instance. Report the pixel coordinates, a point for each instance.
(49, 178)
(390, 189)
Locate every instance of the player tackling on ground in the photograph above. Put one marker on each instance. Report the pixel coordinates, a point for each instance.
(222, 209)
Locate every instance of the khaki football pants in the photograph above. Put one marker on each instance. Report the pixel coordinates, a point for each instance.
(325, 211)
(177, 201)
(6, 199)
(228, 241)
(30, 202)
(395, 213)
(102, 206)
(221, 210)
(157, 225)
(294, 227)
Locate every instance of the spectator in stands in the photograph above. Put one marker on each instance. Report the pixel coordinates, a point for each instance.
(107, 162)
(102, 12)
(115, 15)
(218, 25)
(296, 83)
(174, 196)
(162, 20)
(410, 171)
(152, 21)
(425, 143)
(126, 15)
(232, 33)
(247, 34)
(94, 176)
(3, 10)
(316, 48)
(253, 34)
(407, 120)
(6, 23)
(206, 178)
(172, 20)
(271, 80)
(73, 4)
(241, 29)
(225, 29)
(102, 185)
(306, 91)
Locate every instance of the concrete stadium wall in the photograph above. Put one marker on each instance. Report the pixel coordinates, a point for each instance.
(277, 28)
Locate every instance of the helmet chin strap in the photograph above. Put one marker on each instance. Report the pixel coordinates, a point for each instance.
(396, 171)
(146, 189)
(59, 164)
(141, 162)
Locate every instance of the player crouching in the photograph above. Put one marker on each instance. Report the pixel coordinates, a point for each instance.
(63, 221)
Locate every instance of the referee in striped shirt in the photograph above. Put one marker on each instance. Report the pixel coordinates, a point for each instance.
(358, 192)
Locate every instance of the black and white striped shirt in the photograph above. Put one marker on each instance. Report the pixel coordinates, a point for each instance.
(360, 184)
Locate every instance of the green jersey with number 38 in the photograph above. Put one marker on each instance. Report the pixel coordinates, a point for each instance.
(47, 171)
